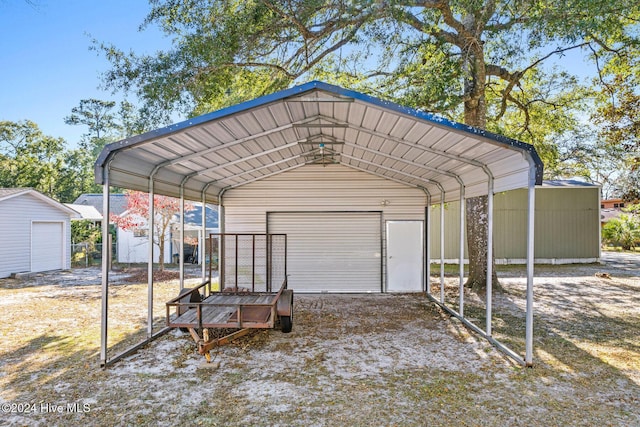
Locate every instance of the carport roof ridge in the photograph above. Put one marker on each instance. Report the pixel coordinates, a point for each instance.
(318, 123)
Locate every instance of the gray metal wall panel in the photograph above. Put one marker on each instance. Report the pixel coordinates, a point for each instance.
(567, 225)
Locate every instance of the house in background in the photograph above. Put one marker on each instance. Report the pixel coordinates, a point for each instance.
(612, 204)
(87, 213)
(610, 209)
(117, 202)
(133, 245)
(35, 230)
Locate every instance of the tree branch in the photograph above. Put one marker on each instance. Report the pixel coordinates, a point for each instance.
(513, 78)
(411, 20)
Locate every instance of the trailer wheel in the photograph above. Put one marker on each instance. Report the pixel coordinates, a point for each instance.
(286, 323)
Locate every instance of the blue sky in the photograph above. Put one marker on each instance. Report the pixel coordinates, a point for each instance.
(46, 66)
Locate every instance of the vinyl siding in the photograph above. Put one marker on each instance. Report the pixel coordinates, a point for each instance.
(16, 215)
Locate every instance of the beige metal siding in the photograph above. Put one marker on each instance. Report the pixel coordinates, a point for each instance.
(331, 251)
(567, 226)
(569, 223)
(316, 189)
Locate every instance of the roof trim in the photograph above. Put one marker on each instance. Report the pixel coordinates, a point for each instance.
(44, 198)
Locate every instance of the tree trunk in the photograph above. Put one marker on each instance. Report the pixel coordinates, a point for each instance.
(477, 227)
(161, 254)
(475, 114)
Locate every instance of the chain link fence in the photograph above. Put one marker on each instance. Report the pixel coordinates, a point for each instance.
(88, 254)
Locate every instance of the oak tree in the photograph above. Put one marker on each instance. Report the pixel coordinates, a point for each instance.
(445, 56)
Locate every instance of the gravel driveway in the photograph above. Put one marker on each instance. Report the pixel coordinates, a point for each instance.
(351, 360)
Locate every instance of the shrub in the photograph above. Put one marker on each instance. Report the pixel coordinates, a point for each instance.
(622, 231)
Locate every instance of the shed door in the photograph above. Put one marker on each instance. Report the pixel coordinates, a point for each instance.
(331, 251)
(46, 246)
(404, 256)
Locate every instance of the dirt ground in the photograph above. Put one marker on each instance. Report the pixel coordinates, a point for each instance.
(351, 360)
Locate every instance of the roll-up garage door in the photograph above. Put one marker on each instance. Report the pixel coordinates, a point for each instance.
(46, 246)
(331, 251)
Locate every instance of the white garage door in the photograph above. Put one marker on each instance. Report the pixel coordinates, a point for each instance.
(331, 251)
(46, 246)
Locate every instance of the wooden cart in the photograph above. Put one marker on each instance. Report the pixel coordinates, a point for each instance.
(201, 309)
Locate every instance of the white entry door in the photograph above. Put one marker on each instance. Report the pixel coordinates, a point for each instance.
(404, 256)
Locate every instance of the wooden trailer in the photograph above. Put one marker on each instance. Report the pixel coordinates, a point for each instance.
(247, 266)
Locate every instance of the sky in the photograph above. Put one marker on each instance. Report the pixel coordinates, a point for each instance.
(46, 66)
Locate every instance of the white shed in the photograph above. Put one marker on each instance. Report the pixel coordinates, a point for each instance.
(35, 230)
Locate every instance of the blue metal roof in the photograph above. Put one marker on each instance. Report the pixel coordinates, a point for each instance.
(287, 129)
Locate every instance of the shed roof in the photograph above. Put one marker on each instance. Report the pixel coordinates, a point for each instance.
(9, 193)
(568, 183)
(86, 212)
(318, 123)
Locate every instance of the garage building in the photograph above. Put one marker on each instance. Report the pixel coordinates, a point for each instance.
(348, 177)
(35, 230)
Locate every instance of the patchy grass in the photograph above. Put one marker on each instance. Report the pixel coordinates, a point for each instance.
(352, 360)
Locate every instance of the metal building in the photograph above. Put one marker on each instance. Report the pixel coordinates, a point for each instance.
(349, 177)
(567, 225)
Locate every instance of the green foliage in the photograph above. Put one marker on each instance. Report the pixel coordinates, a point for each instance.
(618, 114)
(30, 158)
(85, 231)
(623, 231)
(475, 61)
(421, 55)
(96, 115)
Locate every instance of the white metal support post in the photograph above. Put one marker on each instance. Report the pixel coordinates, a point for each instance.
(442, 249)
(427, 240)
(151, 221)
(181, 245)
(530, 260)
(203, 239)
(106, 258)
(222, 228)
(461, 253)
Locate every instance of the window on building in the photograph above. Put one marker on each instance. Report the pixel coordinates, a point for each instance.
(140, 232)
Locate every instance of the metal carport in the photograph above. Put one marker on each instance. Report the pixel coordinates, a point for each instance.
(203, 157)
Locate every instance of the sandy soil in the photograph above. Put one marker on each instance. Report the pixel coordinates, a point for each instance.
(351, 360)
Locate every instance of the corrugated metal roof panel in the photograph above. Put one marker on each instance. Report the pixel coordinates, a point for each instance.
(317, 123)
